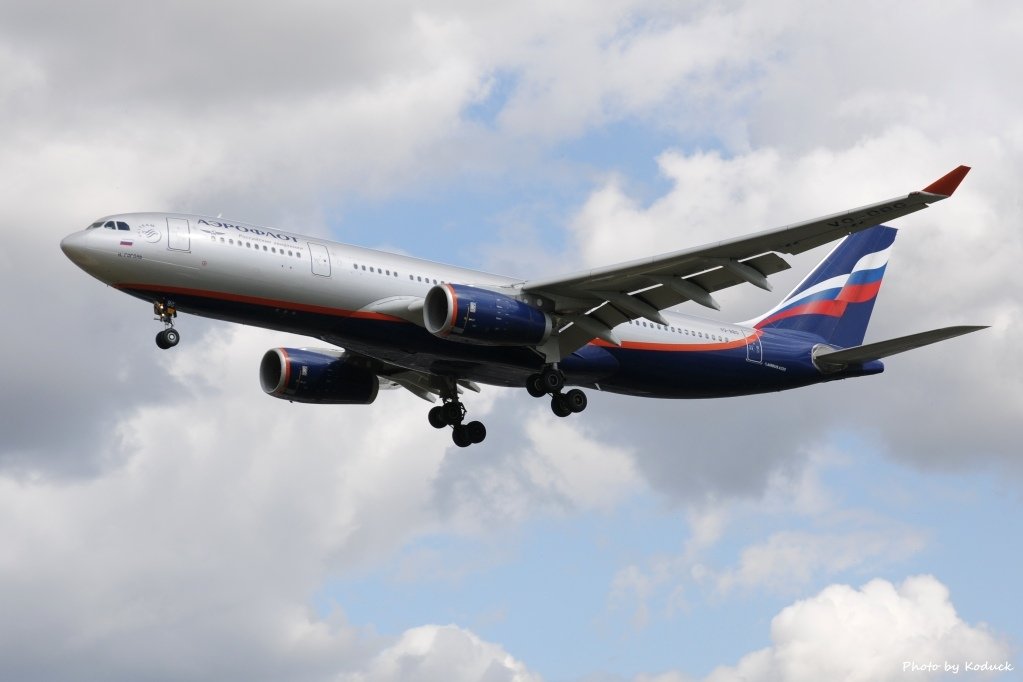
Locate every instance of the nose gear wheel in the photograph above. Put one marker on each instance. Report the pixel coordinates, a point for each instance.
(165, 312)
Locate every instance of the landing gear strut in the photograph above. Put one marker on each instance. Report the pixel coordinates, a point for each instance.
(550, 381)
(165, 312)
(452, 413)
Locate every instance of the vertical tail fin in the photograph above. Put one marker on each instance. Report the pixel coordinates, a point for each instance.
(836, 299)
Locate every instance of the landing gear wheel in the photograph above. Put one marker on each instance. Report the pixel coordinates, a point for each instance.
(552, 379)
(575, 400)
(436, 417)
(476, 431)
(460, 435)
(453, 413)
(535, 386)
(168, 338)
(559, 405)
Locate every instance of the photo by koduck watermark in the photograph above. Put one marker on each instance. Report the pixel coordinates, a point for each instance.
(956, 667)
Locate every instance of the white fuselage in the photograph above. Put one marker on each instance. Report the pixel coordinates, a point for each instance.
(244, 262)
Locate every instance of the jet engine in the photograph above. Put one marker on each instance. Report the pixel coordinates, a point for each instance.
(472, 315)
(316, 376)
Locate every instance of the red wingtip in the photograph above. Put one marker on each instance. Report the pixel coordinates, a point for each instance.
(947, 184)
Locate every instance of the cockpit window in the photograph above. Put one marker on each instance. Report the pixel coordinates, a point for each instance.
(111, 225)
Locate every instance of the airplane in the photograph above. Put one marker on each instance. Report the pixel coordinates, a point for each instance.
(436, 330)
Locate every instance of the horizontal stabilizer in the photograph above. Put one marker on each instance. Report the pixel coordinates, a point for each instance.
(837, 359)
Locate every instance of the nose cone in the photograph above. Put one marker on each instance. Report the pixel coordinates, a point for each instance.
(71, 245)
(74, 248)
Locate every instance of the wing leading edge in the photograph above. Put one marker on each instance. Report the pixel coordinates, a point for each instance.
(593, 302)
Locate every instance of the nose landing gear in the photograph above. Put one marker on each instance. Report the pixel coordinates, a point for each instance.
(166, 312)
(550, 381)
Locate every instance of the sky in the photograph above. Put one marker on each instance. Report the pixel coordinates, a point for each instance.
(163, 519)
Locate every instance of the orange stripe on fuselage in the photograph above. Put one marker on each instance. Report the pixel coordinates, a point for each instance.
(257, 300)
(673, 347)
(368, 315)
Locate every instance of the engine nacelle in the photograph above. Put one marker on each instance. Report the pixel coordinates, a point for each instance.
(462, 313)
(316, 376)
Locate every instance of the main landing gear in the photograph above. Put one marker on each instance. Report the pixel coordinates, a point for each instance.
(550, 381)
(452, 413)
(166, 312)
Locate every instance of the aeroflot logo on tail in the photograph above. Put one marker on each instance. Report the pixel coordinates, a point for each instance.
(249, 230)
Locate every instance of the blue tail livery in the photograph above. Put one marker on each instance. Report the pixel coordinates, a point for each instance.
(394, 321)
(834, 301)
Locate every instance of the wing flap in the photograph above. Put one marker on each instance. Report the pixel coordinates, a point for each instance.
(838, 359)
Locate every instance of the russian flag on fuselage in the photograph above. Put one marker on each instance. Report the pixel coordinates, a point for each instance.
(836, 299)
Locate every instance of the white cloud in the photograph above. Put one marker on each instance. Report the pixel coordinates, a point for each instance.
(788, 560)
(229, 508)
(536, 465)
(572, 465)
(870, 633)
(444, 654)
(815, 536)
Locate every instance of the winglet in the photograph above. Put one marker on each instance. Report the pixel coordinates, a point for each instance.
(947, 184)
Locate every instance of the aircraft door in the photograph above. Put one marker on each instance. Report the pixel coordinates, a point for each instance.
(320, 259)
(754, 349)
(178, 235)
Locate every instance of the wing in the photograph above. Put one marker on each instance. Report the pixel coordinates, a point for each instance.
(592, 302)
